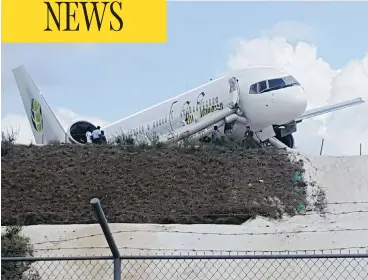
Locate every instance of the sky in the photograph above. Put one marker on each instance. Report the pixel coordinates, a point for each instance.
(321, 43)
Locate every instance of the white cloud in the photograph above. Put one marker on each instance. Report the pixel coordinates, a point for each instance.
(324, 85)
(293, 31)
(19, 123)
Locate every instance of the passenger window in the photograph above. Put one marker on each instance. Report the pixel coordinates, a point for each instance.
(253, 89)
(210, 102)
(262, 86)
(206, 103)
(216, 99)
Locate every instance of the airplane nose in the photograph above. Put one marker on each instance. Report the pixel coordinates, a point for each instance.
(300, 100)
(294, 101)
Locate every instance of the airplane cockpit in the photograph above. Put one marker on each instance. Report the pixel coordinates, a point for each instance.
(273, 84)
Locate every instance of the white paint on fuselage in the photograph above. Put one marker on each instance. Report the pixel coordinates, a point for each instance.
(270, 108)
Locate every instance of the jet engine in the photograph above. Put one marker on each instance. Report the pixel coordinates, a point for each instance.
(77, 132)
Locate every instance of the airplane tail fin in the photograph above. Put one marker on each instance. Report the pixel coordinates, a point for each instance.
(44, 124)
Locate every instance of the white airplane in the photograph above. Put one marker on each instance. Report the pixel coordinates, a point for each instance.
(269, 100)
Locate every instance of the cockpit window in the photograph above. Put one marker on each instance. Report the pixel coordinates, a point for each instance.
(273, 84)
(291, 80)
(253, 89)
(262, 86)
(276, 83)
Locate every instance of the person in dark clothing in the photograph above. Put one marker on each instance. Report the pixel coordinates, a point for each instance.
(248, 138)
(248, 132)
(103, 137)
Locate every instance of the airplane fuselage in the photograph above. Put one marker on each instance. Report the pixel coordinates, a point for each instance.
(261, 109)
(267, 99)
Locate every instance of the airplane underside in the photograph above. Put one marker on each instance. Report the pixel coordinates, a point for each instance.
(236, 131)
(77, 134)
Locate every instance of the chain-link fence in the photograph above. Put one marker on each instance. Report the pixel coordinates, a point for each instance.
(200, 267)
(324, 266)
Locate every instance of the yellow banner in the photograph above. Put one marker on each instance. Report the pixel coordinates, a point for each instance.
(39, 21)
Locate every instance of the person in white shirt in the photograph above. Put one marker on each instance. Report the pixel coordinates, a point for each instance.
(96, 135)
(88, 136)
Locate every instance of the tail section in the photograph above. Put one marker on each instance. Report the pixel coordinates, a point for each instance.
(44, 124)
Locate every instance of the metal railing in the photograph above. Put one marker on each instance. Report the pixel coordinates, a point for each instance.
(200, 267)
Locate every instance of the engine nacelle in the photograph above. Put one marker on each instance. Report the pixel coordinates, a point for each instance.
(77, 132)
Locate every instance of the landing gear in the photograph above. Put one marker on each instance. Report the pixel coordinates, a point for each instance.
(284, 134)
(288, 140)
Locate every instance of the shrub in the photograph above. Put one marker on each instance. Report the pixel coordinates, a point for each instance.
(7, 141)
(14, 244)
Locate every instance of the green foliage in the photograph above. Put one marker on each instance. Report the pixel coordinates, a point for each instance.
(7, 141)
(14, 244)
(141, 142)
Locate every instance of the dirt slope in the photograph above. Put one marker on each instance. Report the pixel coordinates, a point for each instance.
(53, 185)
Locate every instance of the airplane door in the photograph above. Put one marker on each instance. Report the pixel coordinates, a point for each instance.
(234, 90)
(171, 116)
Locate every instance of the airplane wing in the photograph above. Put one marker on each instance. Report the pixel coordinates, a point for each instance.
(329, 108)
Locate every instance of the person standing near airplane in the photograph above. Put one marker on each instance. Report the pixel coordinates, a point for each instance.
(216, 135)
(103, 137)
(89, 136)
(248, 138)
(96, 135)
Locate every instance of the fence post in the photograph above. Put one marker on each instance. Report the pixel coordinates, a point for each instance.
(96, 205)
(360, 148)
(320, 152)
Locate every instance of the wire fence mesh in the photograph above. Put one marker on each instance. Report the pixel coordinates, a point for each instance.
(308, 266)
